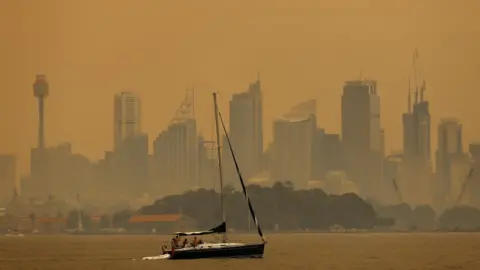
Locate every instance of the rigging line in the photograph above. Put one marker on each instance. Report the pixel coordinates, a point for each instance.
(220, 171)
(240, 176)
(211, 150)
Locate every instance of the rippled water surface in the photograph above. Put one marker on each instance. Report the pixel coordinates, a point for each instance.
(285, 251)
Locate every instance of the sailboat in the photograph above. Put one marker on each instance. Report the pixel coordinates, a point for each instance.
(79, 229)
(223, 249)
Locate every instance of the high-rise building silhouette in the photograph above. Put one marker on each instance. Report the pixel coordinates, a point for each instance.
(362, 135)
(7, 177)
(131, 162)
(293, 135)
(126, 119)
(452, 164)
(246, 132)
(415, 172)
(176, 151)
(361, 129)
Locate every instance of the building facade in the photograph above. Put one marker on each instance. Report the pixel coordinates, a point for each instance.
(7, 177)
(293, 136)
(126, 118)
(362, 135)
(246, 133)
(176, 157)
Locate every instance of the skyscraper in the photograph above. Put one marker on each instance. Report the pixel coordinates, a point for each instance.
(362, 135)
(126, 117)
(452, 164)
(293, 135)
(361, 129)
(7, 177)
(176, 155)
(415, 171)
(246, 131)
(176, 150)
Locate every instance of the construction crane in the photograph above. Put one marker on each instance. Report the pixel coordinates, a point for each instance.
(419, 81)
(397, 190)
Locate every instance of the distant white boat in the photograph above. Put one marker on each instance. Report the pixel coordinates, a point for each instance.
(12, 233)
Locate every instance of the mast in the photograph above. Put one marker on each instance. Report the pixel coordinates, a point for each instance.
(220, 173)
(79, 213)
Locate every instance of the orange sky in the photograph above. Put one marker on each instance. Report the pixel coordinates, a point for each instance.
(303, 49)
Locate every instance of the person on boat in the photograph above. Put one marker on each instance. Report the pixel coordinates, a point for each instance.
(200, 241)
(185, 242)
(195, 241)
(175, 241)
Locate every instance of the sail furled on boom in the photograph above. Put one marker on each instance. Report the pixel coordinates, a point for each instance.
(241, 178)
(222, 228)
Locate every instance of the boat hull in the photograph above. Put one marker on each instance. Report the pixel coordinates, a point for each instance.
(234, 251)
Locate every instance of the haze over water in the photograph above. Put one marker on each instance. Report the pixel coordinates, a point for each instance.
(302, 49)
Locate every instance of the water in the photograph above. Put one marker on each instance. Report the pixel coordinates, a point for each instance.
(283, 252)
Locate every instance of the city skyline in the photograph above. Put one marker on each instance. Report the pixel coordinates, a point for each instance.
(267, 126)
(90, 73)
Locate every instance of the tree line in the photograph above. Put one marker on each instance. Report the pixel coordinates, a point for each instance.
(288, 209)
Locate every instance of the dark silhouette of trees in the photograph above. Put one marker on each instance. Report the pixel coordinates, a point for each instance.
(460, 218)
(423, 217)
(279, 205)
(289, 209)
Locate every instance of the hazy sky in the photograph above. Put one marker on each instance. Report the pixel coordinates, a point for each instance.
(302, 48)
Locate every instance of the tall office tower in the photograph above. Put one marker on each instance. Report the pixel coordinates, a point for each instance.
(362, 135)
(127, 122)
(208, 177)
(176, 150)
(361, 129)
(176, 154)
(416, 168)
(132, 165)
(293, 136)
(421, 120)
(246, 131)
(409, 147)
(452, 164)
(7, 177)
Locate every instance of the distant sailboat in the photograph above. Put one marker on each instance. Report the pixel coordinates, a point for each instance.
(79, 229)
(223, 249)
(15, 232)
